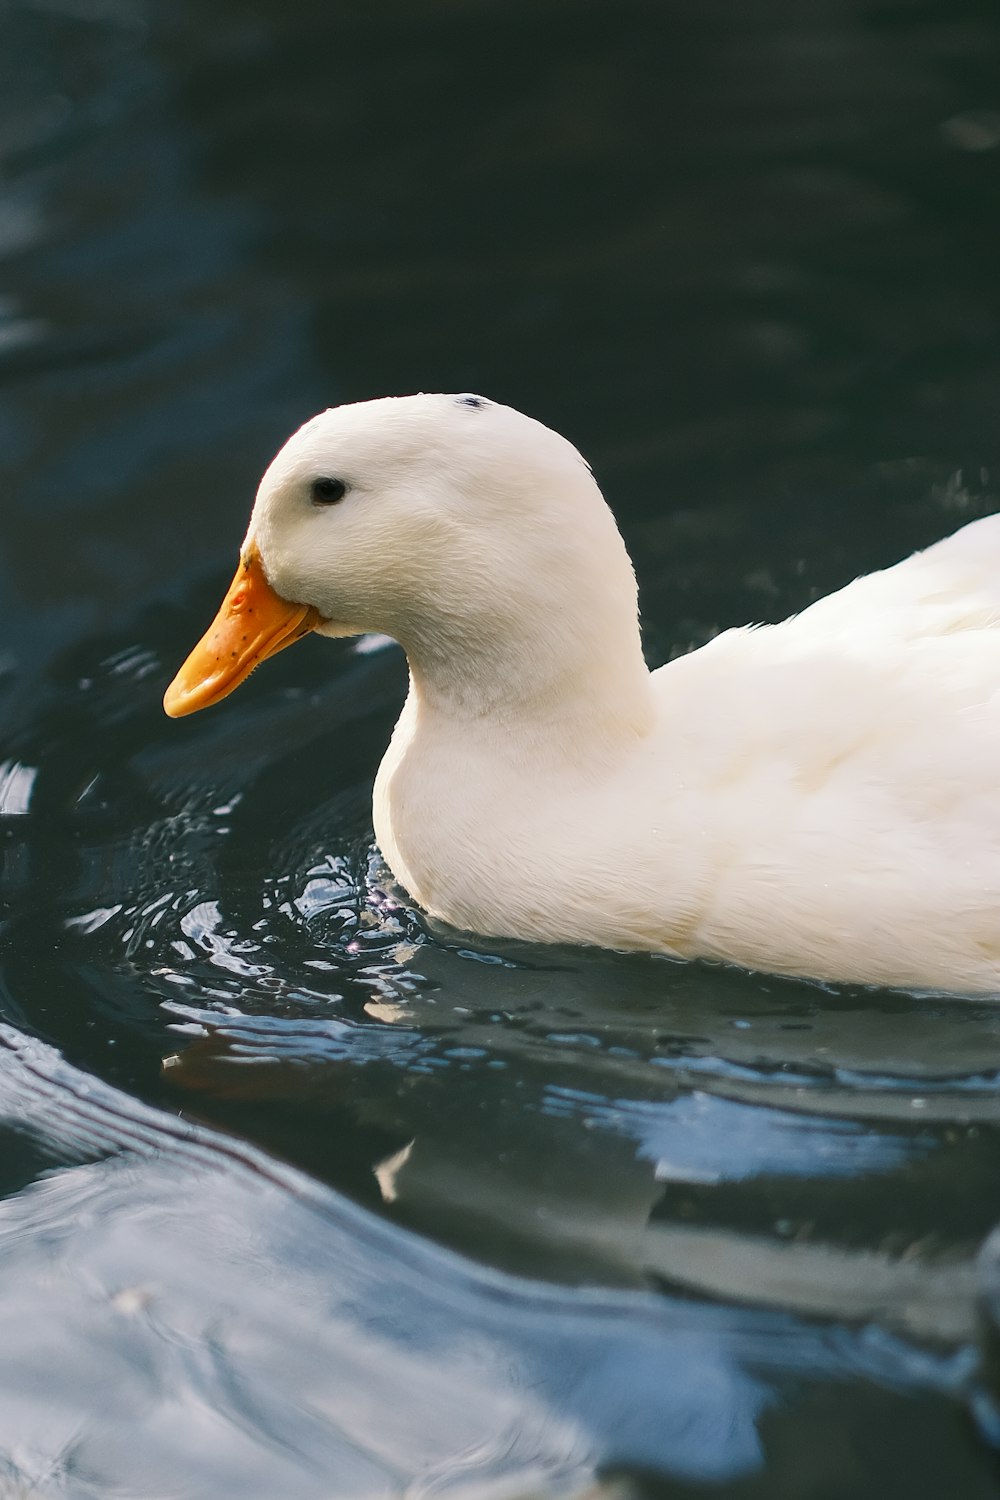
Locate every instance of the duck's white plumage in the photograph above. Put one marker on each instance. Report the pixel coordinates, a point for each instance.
(819, 797)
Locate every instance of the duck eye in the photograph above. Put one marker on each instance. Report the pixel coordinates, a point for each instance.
(327, 491)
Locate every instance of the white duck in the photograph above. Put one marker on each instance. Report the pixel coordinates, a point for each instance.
(819, 797)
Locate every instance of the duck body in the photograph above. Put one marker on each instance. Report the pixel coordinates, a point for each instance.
(818, 797)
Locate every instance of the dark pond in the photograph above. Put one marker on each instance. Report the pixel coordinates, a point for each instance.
(300, 1197)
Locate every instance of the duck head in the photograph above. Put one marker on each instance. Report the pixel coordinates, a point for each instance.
(470, 533)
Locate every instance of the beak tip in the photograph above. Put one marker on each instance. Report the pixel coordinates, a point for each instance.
(177, 701)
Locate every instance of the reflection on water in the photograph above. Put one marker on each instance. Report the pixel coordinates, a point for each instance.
(301, 1196)
(254, 1329)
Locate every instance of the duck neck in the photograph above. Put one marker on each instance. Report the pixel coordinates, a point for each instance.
(575, 687)
(533, 634)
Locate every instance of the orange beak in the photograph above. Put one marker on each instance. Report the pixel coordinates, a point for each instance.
(252, 624)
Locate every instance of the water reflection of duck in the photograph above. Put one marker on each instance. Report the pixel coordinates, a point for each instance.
(817, 797)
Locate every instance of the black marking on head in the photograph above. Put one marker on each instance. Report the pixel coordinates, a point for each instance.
(476, 401)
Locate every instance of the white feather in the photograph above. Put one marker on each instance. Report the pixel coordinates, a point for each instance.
(819, 797)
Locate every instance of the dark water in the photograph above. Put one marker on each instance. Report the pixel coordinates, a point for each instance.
(301, 1197)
